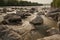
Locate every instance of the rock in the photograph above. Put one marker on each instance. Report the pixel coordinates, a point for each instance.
(39, 32)
(40, 13)
(33, 35)
(1, 18)
(53, 15)
(37, 21)
(4, 10)
(53, 37)
(42, 29)
(12, 19)
(32, 10)
(59, 17)
(55, 10)
(9, 10)
(23, 14)
(58, 24)
(53, 31)
(7, 33)
(3, 30)
(1, 10)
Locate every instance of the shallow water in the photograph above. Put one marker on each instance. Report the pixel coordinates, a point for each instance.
(47, 21)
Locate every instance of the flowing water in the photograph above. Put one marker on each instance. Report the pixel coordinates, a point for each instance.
(47, 21)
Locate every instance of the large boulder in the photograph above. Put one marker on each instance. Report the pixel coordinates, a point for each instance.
(42, 29)
(12, 19)
(37, 21)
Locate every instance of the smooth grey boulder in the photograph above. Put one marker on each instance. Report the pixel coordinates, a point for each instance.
(37, 21)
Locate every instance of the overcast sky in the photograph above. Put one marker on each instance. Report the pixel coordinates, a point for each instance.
(41, 1)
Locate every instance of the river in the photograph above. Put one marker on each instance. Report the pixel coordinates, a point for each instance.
(47, 21)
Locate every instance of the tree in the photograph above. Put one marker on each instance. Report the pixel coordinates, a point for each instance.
(12, 2)
(1, 2)
(55, 3)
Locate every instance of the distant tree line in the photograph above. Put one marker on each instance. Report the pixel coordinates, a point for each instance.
(56, 3)
(17, 3)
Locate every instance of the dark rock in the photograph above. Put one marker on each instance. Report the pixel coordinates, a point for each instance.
(40, 13)
(23, 14)
(4, 10)
(53, 37)
(53, 31)
(42, 29)
(7, 33)
(58, 24)
(3, 30)
(12, 19)
(1, 10)
(59, 17)
(33, 35)
(55, 10)
(37, 21)
(53, 15)
(32, 10)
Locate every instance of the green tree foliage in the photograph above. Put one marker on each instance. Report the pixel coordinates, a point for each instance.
(12, 2)
(55, 3)
(17, 3)
(1, 2)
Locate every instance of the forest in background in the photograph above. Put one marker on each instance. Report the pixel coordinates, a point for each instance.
(18, 3)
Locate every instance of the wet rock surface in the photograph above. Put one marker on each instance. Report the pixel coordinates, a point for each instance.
(53, 37)
(37, 21)
(12, 19)
(26, 24)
